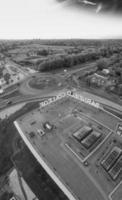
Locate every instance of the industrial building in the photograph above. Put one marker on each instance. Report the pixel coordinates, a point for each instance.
(91, 139)
(119, 129)
(116, 169)
(87, 136)
(112, 157)
(113, 163)
(82, 133)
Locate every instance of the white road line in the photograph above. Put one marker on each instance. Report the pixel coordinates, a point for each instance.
(110, 195)
(82, 160)
(98, 146)
(97, 122)
(111, 114)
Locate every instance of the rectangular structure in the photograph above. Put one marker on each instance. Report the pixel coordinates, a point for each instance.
(82, 133)
(112, 157)
(116, 169)
(91, 139)
(62, 163)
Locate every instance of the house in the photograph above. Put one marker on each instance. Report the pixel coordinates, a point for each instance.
(98, 79)
(102, 80)
(106, 71)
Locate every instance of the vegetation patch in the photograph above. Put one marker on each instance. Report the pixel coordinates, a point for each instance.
(8, 133)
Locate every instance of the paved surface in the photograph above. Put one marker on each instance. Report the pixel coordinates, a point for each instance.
(103, 100)
(65, 166)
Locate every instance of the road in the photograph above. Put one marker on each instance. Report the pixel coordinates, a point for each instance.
(103, 101)
(28, 94)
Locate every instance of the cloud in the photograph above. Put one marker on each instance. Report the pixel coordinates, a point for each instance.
(102, 5)
(51, 19)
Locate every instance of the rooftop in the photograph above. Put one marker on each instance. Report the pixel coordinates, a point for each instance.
(58, 151)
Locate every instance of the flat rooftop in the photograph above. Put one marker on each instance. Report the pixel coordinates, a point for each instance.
(52, 145)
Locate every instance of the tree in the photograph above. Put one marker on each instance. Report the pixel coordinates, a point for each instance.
(120, 89)
(43, 52)
(1, 72)
(7, 78)
(102, 64)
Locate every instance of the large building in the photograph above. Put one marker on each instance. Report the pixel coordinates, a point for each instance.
(82, 133)
(113, 162)
(63, 141)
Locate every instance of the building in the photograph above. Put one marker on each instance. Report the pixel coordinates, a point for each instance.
(106, 71)
(102, 80)
(91, 139)
(41, 132)
(111, 158)
(82, 133)
(116, 169)
(119, 129)
(99, 79)
(63, 151)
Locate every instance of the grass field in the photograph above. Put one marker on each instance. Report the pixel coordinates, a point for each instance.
(47, 83)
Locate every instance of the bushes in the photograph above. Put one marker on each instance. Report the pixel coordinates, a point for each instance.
(6, 196)
(7, 135)
(102, 64)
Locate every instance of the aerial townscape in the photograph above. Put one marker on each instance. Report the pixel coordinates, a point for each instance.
(60, 119)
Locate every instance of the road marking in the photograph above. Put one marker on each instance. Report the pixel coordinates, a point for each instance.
(110, 195)
(98, 146)
(111, 114)
(81, 160)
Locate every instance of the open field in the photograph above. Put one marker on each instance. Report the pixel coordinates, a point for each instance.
(61, 152)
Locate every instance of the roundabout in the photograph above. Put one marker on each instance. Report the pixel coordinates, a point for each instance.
(43, 83)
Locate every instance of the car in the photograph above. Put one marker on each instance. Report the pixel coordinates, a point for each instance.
(9, 102)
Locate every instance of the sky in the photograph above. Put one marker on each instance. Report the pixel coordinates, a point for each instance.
(49, 19)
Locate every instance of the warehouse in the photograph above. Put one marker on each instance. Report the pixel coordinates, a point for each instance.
(91, 139)
(82, 133)
(112, 157)
(116, 169)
